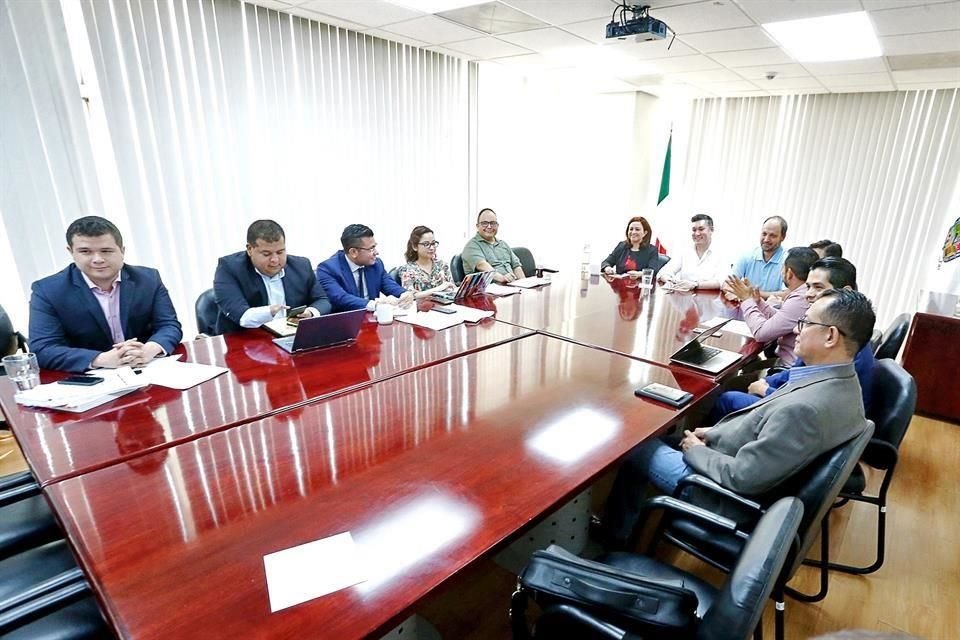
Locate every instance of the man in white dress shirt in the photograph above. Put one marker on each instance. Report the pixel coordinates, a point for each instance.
(699, 267)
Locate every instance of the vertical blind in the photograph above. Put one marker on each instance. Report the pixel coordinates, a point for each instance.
(218, 113)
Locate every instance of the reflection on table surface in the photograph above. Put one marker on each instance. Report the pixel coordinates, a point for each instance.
(263, 380)
(429, 471)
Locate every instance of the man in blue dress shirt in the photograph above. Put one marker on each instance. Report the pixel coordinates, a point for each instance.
(355, 278)
(100, 312)
(253, 287)
(763, 266)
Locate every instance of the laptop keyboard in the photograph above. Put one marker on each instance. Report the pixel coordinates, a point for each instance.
(286, 342)
(705, 354)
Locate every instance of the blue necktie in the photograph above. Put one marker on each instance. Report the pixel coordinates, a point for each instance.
(360, 287)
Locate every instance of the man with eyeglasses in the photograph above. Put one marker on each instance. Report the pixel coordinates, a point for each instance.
(485, 252)
(752, 450)
(355, 278)
(825, 274)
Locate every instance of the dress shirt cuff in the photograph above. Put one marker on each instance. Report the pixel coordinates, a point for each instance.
(316, 314)
(372, 305)
(255, 316)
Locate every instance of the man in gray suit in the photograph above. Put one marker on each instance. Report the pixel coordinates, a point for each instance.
(752, 450)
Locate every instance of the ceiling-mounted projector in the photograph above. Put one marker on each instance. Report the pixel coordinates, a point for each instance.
(638, 24)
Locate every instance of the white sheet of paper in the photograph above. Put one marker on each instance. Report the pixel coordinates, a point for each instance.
(432, 319)
(738, 327)
(495, 289)
(313, 569)
(180, 375)
(529, 283)
(469, 314)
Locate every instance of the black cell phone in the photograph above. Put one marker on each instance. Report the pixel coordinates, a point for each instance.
(81, 380)
(447, 310)
(662, 393)
(295, 311)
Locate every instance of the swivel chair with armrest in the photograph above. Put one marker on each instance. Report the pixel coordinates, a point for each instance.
(10, 338)
(206, 310)
(730, 612)
(816, 486)
(25, 519)
(456, 268)
(893, 337)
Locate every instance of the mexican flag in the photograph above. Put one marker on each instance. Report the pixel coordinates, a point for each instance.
(664, 186)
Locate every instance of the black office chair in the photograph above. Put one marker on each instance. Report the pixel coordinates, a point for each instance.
(44, 596)
(875, 340)
(816, 486)
(894, 401)
(578, 608)
(456, 268)
(527, 263)
(893, 337)
(207, 310)
(25, 519)
(395, 274)
(10, 338)
(662, 259)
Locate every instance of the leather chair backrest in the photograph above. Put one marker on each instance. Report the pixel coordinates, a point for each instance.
(817, 486)
(395, 274)
(8, 335)
(893, 337)
(894, 401)
(527, 262)
(662, 259)
(206, 309)
(456, 268)
(739, 603)
(875, 340)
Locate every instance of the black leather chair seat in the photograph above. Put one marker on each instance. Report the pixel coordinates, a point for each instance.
(857, 482)
(650, 568)
(20, 572)
(80, 620)
(26, 523)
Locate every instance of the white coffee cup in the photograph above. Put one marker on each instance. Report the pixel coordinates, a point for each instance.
(384, 313)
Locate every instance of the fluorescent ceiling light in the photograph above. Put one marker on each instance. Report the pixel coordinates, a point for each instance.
(436, 6)
(845, 36)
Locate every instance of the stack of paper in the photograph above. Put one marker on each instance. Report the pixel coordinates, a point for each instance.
(528, 283)
(495, 289)
(77, 398)
(439, 321)
(738, 327)
(168, 372)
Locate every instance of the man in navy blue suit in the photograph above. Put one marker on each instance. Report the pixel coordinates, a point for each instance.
(354, 277)
(100, 312)
(252, 287)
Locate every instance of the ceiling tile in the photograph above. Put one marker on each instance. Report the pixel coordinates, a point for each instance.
(486, 48)
(702, 16)
(794, 92)
(451, 52)
(386, 35)
(780, 84)
(744, 94)
(871, 88)
(556, 12)
(544, 39)
(433, 30)
(729, 40)
(931, 17)
(876, 5)
(270, 4)
(333, 21)
(724, 87)
(651, 50)
(867, 65)
(791, 70)
(912, 86)
(684, 63)
(855, 80)
(934, 42)
(493, 18)
(752, 57)
(700, 77)
(593, 30)
(929, 75)
(924, 61)
(530, 60)
(764, 11)
(369, 14)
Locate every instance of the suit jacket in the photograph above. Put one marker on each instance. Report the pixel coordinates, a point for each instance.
(617, 257)
(67, 326)
(237, 286)
(337, 279)
(754, 449)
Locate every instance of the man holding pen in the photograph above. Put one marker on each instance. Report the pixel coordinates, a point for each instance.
(100, 312)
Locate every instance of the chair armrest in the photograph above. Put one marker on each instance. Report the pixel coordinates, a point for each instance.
(16, 479)
(880, 454)
(40, 606)
(16, 493)
(669, 503)
(539, 271)
(50, 585)
(704, 482)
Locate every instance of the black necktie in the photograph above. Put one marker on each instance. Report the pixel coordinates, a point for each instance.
(360, 283)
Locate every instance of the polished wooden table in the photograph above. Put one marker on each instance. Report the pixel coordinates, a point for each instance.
(620, 316)
(429, 471)
(931, 356)
(263, 380)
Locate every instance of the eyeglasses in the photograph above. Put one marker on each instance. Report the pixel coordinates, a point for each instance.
(492, 223)
(373, 248)
(429, 245)
(802, 322)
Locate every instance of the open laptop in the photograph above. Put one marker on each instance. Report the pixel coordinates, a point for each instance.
(705, 358)
(324, 331)
(473, 284)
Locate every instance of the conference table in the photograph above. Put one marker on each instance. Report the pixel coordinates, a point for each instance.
(433, 449)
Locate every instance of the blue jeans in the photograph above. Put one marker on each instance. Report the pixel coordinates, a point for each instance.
(653, 461)
(728, 402)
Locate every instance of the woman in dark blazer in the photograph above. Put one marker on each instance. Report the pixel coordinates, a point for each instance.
(634, 254)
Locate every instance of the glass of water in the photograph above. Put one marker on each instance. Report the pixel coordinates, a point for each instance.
(23, 369)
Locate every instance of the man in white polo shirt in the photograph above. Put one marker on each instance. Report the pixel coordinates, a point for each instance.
(699, 267)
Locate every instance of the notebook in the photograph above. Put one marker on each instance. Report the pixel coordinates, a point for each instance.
(324, 331)
(696, 355)
(473, 284)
